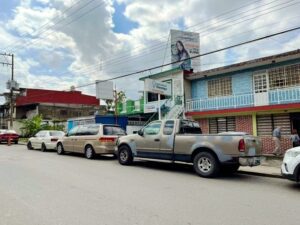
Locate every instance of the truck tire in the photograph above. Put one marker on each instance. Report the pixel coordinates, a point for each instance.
(125, 155)
(60, 149)
(89, 152)
(43, 147)
(29, 146)
(206, 165)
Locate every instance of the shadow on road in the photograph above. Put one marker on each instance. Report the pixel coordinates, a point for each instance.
(184, 169)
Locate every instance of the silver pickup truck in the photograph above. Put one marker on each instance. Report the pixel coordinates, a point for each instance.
(183, 141)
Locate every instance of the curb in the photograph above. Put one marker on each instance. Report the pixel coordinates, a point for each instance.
(261, 174)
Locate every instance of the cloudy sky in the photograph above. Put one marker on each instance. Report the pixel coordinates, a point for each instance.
(60, 43)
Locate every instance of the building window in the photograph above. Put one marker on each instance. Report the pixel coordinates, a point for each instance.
(282, 77)
(222, 124)
(220, 87)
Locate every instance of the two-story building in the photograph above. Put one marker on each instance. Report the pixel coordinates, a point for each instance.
(255, 96)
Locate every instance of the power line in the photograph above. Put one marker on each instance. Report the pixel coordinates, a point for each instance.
(197, 56)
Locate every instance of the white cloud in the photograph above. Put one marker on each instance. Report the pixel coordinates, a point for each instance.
(96, 52)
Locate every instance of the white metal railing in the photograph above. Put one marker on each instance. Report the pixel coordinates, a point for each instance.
(224, 102)
(277, 96)
(286, 95)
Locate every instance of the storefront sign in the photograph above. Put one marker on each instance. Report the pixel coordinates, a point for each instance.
(158, 87)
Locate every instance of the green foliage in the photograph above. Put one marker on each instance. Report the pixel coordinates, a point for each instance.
(120, 98)
(32, 126)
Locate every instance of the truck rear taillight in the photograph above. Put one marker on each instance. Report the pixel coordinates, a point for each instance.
(107, 139)
(242, 146)
(54, 139)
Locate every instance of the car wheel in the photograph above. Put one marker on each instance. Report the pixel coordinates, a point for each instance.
(89, 152)
(206, 165)
(29, 146)
(125, 155)
(16, 142)
(60, 149)
(43, 147)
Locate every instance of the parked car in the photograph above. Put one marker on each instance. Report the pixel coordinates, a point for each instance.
(182, 140)
(90, 139)
(290, 167)
(5, 135)
(45, 140)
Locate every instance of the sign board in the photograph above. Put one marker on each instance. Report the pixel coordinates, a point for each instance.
(104, 90)
(183, 46)
(157, 87)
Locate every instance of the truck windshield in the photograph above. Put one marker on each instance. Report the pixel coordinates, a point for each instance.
(190, 127)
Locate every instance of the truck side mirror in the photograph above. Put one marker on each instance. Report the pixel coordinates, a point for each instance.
(140, 132)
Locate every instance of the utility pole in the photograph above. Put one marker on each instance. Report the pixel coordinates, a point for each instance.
(11, 84)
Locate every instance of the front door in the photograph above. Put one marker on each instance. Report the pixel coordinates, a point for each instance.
(68, 141)
(148, 145)
(260, 84)
(167, 140)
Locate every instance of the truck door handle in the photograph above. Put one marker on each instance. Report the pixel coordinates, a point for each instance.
(156, 139)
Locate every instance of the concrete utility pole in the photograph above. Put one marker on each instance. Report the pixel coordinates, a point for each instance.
(11, 84)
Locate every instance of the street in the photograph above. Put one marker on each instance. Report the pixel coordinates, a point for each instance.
(43, 188)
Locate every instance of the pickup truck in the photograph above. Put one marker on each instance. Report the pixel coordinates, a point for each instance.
(177, 140)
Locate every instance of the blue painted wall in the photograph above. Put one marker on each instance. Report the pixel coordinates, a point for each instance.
(241, 84)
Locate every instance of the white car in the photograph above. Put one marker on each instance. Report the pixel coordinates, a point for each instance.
(290, 167)
(45, 139)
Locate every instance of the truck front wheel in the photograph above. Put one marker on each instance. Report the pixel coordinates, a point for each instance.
(125, 155)
(206, 165)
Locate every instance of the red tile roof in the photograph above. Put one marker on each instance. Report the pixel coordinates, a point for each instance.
(34, 96)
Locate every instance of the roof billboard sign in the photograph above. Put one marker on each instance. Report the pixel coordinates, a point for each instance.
(104, 90)
(183, 46)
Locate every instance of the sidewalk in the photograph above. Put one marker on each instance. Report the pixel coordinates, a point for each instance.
(270, 167)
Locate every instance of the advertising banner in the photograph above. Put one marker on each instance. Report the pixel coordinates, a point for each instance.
(104, 90)
(183, 46)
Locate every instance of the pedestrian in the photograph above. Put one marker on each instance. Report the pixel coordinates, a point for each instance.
(295, 138)
(276, 139)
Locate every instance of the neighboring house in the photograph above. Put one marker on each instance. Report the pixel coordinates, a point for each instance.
(4, 115)
(54, 105)
(253, 96)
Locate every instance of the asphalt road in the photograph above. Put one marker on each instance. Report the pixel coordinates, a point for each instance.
(38, 188)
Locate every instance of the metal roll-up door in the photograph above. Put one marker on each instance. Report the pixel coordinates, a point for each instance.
(264, 125)
(283, 121)
(221, 124)
(267, 123)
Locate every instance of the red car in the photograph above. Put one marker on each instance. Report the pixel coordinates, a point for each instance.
(9, 134)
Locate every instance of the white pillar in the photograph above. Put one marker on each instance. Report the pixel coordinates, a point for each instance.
(159, 109)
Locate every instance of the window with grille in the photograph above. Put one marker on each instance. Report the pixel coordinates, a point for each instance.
(282, 77)
(222, 124)
(220, 87)
(267, 123)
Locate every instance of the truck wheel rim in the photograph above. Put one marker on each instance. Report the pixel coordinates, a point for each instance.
(204, 164)
(89, 152)
(123, 156)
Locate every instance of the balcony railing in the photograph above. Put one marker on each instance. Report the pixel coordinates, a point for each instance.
(282, 96)
(278, 96)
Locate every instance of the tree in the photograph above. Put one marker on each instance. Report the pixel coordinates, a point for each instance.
(35, 124)
(111, 104)
(31, 126)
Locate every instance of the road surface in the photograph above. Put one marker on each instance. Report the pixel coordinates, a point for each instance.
(43, 188)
